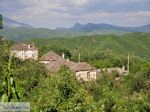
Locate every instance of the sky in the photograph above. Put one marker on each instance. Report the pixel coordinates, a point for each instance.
(65, 13)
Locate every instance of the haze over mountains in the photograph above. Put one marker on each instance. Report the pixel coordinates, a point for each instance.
(14, 24)
(16, 30)
(103, 26)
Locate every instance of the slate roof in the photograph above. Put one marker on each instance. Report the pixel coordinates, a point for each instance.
(56, 61)
(50, 56)
(22, 46)
(80, 66)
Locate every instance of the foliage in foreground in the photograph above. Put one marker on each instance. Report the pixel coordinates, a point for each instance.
(61, 92)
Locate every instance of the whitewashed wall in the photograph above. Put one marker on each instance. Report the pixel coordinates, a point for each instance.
(25, 54)
(44, 62)
(86, 75)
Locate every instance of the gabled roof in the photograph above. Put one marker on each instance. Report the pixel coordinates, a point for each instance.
(56, 61)
(80, 66)
(22, 46)
(50, 56)
(54, 66)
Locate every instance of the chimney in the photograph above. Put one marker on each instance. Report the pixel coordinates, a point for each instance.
(123, 67)
(79, 57)
(29, 46)
(32, 44)
(68, 60)
(63, 55)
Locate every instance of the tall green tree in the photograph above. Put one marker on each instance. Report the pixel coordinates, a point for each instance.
(9, 92)
(1, 22)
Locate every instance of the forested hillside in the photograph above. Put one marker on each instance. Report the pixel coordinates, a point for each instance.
(137, 44)
(19, 31)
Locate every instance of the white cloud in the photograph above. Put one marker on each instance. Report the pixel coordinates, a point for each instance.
(127, 1)
(122, 18)
(54, 13)
(80, 2)
(53, 19)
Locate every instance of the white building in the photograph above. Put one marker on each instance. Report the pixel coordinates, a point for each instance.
(24, 51)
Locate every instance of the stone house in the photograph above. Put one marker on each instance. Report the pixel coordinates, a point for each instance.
(83, 71)
(24, 51)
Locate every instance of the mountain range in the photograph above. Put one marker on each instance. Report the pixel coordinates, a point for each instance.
(19, 31)
(89, 27)
(7, 22)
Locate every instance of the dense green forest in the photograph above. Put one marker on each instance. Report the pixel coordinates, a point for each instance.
(61, 92)
(137, 44)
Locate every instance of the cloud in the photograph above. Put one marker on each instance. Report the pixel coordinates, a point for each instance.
(118, 18)
(81, 2)
(54, 13)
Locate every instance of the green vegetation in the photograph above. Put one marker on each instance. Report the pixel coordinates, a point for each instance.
(22, 33)
(26, 74)
(61, 92)
(1, 22)
(136, 44)
(9, 84)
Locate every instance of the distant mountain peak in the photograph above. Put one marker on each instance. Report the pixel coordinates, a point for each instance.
(14, 24)
(77, 25)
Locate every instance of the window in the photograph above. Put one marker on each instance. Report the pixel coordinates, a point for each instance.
(88, 75)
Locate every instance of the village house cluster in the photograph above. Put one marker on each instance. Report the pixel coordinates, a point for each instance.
(53, 62)
(83, 71)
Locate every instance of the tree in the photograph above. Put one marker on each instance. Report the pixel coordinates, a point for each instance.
(28, 73)
(1, 22)
(9, 85)
(61, 92)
